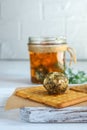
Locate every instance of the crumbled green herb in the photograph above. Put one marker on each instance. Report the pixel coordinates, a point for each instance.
(76, 78)
(40, 73)
(59, 66)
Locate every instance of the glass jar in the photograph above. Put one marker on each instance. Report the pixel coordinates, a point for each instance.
(46, 55)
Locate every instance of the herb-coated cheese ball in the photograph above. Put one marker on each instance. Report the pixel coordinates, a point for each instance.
(55, 83)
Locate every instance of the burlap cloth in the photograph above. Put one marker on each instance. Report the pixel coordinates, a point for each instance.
(14, 102)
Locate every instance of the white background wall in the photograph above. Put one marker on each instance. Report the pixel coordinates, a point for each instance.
(20, 19)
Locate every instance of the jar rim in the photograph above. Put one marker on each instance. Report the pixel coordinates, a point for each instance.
(48, 40)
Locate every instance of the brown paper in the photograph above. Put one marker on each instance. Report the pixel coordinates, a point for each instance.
(15, 102)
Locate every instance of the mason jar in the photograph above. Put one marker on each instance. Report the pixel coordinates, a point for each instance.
(47, 54)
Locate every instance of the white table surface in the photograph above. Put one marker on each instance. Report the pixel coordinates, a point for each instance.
(15, 74)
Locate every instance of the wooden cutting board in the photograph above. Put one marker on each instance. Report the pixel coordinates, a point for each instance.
(75, 113)
(31, 111)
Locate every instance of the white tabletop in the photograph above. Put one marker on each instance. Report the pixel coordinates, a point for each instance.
(15, 74)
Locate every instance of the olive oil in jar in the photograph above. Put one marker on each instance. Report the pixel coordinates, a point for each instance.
(46, 55)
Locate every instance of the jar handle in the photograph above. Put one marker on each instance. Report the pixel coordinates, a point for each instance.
(72, 53)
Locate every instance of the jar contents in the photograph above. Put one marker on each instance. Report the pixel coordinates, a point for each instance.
(47, 55)
(43, 63)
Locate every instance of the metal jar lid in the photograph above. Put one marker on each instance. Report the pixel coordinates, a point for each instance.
(48, 40)
(46, 44)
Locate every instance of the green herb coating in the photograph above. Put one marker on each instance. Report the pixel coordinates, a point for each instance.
(56, 83)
